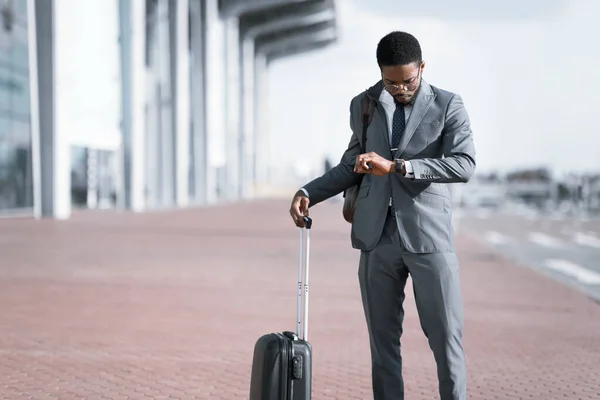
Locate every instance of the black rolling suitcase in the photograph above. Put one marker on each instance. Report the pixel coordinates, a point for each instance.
(282, 363)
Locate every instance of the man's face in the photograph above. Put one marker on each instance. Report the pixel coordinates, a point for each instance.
(402, 81)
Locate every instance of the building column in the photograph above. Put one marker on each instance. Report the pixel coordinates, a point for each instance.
(198, 141)
(248, 144)
(262, 140)
(181, 101)
(234, 145)
(54, 147)
(132, 25)
(165, 103)
(34, 110)
(215, 102)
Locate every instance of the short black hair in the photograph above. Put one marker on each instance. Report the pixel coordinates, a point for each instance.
(398, 48)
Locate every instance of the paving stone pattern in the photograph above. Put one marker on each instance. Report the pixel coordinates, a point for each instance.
(168, 305)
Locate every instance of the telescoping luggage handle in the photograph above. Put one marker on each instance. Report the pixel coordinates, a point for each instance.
(302, 320)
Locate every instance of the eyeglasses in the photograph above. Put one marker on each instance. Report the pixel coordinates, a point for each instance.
(407, 87)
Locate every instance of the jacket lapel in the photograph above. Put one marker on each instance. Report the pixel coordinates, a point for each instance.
(422, 103)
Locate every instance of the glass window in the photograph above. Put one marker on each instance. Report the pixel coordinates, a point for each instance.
(14, 94)
(13, 38)
(16, 185)
(16, 178)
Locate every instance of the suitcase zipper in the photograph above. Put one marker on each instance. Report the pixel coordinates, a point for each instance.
(286, 350)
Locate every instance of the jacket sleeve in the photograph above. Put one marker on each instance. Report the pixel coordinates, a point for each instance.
(458, 162)
(342, 176)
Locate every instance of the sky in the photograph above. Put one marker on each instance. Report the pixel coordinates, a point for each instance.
(528, 72)
(87, 73)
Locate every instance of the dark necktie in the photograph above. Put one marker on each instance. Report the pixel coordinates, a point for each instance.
(398, 125)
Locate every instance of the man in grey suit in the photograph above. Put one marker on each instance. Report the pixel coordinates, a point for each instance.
(418, 141)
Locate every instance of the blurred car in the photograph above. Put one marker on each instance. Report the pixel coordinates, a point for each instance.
(483, 196)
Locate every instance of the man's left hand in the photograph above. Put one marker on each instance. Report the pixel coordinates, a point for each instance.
(372, 163)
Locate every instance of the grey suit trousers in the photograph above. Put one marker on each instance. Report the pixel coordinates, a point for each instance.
(383, 272)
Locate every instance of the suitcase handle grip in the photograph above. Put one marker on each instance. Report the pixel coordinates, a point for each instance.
(302, 312)
(307, 222)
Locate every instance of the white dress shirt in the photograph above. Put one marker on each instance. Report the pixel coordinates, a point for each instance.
(389, 106)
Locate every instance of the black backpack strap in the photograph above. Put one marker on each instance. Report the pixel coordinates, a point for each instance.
(367, 116)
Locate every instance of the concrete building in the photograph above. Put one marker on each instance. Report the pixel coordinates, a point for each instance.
(187, 116)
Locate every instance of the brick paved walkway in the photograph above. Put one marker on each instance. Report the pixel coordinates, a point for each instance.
(168, 306)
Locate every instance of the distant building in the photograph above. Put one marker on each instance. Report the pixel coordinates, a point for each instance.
(183, 124)
(534, 186)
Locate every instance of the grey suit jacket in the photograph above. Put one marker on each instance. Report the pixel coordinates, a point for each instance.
(439, 144)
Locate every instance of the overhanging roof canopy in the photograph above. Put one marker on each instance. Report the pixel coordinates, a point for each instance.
(288, 50)
(281, 41)
(235, 8)
(282, 17)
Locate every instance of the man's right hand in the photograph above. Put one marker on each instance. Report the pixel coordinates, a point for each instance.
(299, 209)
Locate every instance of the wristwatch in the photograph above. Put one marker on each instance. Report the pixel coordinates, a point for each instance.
(399, 165)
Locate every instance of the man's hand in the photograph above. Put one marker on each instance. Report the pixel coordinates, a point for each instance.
(374, 164)
(299, 209)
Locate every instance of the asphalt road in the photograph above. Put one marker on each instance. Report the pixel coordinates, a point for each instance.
(563, 247)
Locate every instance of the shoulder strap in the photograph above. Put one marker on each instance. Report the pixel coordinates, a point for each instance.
(367, 115)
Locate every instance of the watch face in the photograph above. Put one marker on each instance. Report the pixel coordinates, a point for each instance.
(398, 165)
